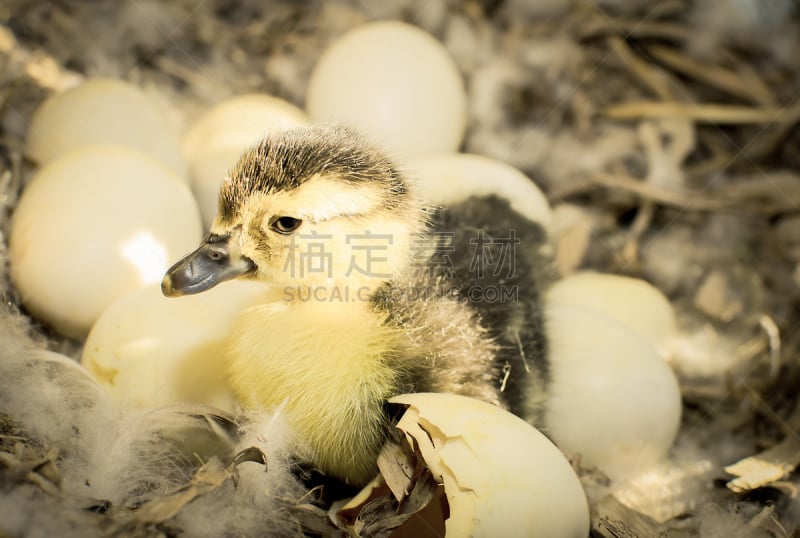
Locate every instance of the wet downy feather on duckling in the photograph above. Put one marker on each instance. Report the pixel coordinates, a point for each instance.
(375, 294)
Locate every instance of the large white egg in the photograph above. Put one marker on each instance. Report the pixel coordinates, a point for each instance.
(501, 476)
(631, 301)
(103, 111)
(612, 399)
(447, 179)
(216, 141)
(396, 83)
(94, 225)
(149, 350)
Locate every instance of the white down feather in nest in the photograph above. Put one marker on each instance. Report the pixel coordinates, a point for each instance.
(119, 459)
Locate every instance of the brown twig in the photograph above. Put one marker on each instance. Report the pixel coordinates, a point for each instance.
(704, 113)
(635, 28)
(714, 75)
(644, 217)
(766, 142)
(684, 199)
(655, 79)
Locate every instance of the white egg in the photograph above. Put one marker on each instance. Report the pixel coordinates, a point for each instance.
(447, 179)
(216, 141)
(94, 225)
(149, 350)
(612, 398)
(501, 476)
(396, 83)
(631, 301)
(103, 111)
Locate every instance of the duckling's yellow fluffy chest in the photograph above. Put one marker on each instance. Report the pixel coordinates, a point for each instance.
(330, 362)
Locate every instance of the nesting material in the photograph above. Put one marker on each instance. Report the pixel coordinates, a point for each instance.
(542, 83)
(77, 463)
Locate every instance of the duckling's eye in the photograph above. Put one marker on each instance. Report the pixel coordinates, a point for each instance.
(286, 225)
(216, 254)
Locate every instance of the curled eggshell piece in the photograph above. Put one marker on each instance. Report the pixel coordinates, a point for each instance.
(501, 476)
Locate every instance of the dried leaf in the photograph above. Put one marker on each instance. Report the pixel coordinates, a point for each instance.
(703, 113)
(383, 508)
(716, 299)
(313, 519)
(345, 513)
(42, 472)
(378, 518)
(222, 424)
(397, 468)
(753, 89)
(207, 478)
(766, 520)
(612, 519)
(765, 468)
(422, 511)
(253, 454)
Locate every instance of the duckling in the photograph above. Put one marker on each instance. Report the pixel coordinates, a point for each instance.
(374, 294)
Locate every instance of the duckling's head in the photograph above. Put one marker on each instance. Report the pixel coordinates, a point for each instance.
(309, 207)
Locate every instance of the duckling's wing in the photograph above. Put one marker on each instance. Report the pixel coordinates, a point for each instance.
(492, 258)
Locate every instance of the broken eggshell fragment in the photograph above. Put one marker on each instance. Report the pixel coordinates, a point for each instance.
(501, 476)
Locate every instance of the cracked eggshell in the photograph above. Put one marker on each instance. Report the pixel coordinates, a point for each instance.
(94, 225)
(630, 301)
(148, 350)
(612, 399)
(396, 83)
(215, 142)
(103, 111)
(448, 179)
(502, 477)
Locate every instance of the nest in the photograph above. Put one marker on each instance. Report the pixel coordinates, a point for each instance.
(665, 135)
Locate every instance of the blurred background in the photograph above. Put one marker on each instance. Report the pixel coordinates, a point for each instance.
(664, 134)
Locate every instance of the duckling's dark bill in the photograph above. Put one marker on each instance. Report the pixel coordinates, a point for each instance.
(204, 268)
